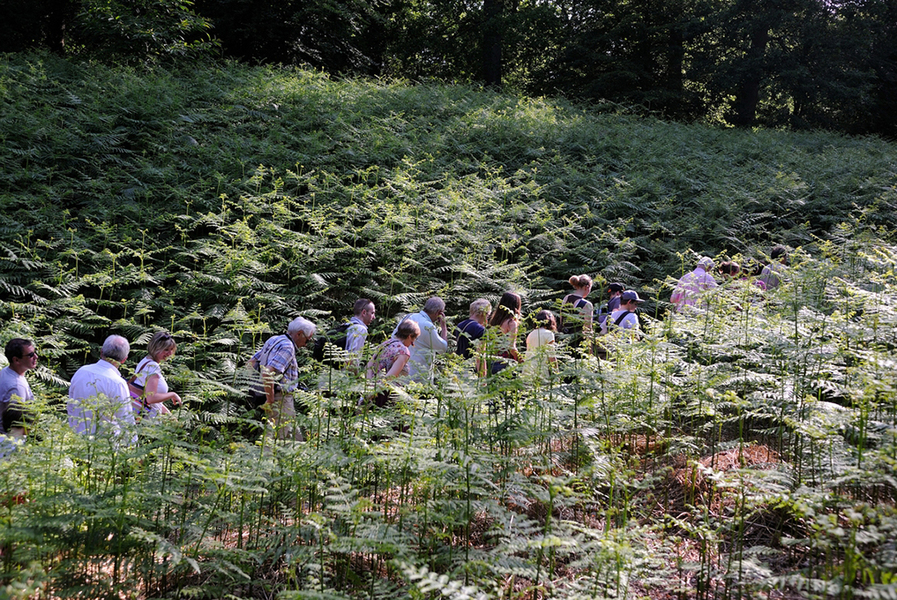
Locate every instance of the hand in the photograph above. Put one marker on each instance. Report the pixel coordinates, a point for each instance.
(176, 400)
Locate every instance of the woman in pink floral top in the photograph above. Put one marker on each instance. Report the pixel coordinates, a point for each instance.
(391, 357)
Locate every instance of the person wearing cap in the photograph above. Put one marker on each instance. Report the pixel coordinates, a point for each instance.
(692, 285)
(614, 291)
(624, 317)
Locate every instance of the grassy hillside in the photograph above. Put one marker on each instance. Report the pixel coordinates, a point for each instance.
(749, 449)
(177, 163)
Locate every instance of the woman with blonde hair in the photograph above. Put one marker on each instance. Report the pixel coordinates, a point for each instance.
(540, 355)
(472, 328)
(578, 318)
(148, 387)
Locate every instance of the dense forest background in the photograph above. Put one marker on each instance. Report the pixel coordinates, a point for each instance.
(802, 64)
(151, 179)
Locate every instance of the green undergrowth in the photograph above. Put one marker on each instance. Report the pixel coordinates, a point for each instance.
(744, 449)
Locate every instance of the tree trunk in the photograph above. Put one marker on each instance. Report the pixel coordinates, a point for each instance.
(675, 60)
(57, 15)
(492, 39)
(747, 96)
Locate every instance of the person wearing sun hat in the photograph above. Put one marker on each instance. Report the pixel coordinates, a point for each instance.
(693, 284)
(624, 317)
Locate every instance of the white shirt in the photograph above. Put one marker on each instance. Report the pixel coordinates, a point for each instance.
(772, 275)
(425, 348)
(99, 402)
(630, 321)
(12, 387)
(539, 351)
(145, 368)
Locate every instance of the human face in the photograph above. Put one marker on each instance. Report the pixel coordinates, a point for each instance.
(166, 354)
(300, 339)
(409, 341)
(368, 314)
(27, 361)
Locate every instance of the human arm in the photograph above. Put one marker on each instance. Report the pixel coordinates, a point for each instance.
(587, 311)
(510, 327)
(552, 350)
(269, 377)
(151, 393)
(439, 344)
(398, 365)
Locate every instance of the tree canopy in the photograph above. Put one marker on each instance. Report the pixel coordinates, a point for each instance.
(804, 64)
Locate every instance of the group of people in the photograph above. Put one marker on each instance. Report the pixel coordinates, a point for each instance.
(692, 286)
(489, 336)
(100, 400)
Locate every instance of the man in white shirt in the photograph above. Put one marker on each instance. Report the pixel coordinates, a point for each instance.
(433, 340)
(99, 401)
(364, 312)
(624, 317)
(22, 357)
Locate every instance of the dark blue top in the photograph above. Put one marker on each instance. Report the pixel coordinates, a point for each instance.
(466, 332)
(613, 304)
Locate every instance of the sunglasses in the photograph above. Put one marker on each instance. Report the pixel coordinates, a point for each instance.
(32, 354)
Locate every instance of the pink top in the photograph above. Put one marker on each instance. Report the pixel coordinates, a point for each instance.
(690, 287)
(386, 355)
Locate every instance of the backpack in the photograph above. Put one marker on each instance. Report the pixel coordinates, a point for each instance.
(603, 314)
(572, 327)
(335, 338)
(606, 325)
